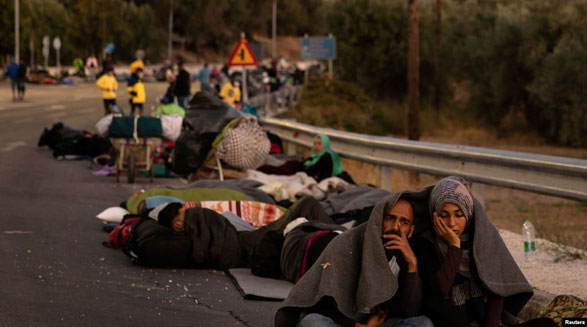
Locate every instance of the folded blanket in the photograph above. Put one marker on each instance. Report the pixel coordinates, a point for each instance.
(187, 195)
(295, 186)
(255, 213)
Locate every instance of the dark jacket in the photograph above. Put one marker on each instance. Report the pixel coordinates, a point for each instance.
(182, 84)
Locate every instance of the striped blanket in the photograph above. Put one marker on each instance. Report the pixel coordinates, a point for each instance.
(255, 213)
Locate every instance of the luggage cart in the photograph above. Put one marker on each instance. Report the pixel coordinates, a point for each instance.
(133, 154)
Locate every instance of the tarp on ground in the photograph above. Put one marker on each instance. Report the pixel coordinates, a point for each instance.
(204, 119)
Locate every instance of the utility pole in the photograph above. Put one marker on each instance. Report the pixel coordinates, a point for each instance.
(274, 32)
(169, 41)
(16, 31)
(413, 72)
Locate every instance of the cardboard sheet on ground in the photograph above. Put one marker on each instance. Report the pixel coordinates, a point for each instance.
(258, 288)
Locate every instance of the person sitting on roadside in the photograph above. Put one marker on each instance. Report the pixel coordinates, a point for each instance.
(367, 276)
(108, 84)
(324, 162)
(469, 277)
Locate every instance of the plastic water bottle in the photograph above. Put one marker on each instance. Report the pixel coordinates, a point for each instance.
(528, 235)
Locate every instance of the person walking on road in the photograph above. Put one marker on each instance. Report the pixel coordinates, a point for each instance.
(21, 81)
(92, 65)
(108, 84)
(78, 64)
(138, 63)
(12, 72)
(136, 92)
(182, 86)
(204, 75)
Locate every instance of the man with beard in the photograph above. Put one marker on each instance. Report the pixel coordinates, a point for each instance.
(366, 277)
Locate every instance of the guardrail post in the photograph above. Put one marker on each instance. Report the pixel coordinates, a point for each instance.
(478, 190)
(386, 178)
(291, 149)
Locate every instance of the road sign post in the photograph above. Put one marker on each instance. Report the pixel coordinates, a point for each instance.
(45, 51)
(243, 56)
(57, 46)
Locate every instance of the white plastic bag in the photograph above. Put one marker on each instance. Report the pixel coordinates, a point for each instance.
(103, 124)
(171, 125)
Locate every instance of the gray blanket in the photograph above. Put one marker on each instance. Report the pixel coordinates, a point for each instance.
(294, 247)
(357, 198)
(246, 186)
(353, 269)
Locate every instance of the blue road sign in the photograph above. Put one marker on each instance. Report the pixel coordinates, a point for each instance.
(319, 48)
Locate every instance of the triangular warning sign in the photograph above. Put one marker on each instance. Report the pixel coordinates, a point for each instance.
(242, 55)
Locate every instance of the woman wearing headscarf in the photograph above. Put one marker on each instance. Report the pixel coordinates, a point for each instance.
(324, 162)
(469, 276)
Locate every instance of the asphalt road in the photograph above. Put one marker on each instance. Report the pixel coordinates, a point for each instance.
(54, 270)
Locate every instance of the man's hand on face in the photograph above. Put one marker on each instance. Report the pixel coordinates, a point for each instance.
(400, 243)
(377, 318)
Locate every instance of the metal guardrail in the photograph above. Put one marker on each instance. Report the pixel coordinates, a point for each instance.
(275, 102)
(557, 176)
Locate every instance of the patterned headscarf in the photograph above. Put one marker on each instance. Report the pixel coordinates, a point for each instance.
(452, 189)
(466, 292)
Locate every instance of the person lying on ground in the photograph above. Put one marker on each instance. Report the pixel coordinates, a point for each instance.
(304, 242)
(215, 243)
(218, 245)
(469, 277)
(367, 276)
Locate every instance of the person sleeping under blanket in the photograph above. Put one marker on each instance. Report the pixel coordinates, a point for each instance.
(304, 242)
(212, 242)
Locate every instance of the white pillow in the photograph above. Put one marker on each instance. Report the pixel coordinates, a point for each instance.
(112, 214)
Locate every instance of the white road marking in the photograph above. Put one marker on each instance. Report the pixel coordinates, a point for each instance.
(56, 107)
(13, 145)
(18, 232)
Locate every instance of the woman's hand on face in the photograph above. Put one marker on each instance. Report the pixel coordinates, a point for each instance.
(444, 232)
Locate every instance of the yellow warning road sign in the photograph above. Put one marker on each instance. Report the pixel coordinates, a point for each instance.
(242, 55)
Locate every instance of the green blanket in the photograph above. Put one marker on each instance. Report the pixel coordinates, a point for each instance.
(187, 195)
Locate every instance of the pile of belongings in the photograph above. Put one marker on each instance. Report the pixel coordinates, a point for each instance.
(166, 125)
(70, 143)
(205, 118)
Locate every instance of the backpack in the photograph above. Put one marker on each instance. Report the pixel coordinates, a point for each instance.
(120, 234)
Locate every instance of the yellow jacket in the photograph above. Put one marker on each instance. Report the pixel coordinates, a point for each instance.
(139, 89)
(108, 84)
(230, 94)
(136, 64)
